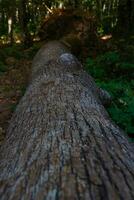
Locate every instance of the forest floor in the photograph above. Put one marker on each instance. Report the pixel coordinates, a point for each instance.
(15, 67)
(12, 87)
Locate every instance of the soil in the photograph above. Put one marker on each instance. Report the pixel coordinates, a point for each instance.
(12, 87)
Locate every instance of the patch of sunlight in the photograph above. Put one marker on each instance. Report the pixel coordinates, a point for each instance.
(36, 39)
(18, 41)
(106, 37)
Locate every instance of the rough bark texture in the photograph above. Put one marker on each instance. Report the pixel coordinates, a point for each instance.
(61, 143)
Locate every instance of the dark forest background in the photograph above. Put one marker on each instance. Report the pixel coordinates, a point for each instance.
(21, 19)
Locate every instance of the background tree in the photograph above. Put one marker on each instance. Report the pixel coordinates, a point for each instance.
(25, 16)
(125, 17)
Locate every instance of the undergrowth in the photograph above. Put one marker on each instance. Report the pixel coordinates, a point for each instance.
(114, 72)
(3, 67)
(18, 53)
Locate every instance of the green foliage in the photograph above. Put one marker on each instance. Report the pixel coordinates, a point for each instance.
(113, 73)
(13, 107)
(23, 90)
(122, 108)
(33, 50)
(102, 65)
(2, 55)
(17, 52)
(110, 65)
(93, 68)
(3, 67)
(13, 51)
(109, 58)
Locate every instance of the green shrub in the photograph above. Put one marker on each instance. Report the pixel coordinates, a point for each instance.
(122, 107)
(109, 58)
(3, 67)
(113, 73)
(33, 50)
(94, 69)
(103, 64)
(13, 51)
(2, 55)
(110, 65)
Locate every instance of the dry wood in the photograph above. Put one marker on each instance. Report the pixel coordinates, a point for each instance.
(61, 143)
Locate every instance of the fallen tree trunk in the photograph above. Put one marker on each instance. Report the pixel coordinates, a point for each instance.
(61, 143)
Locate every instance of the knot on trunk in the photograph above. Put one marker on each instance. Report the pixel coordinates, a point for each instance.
(70, 61)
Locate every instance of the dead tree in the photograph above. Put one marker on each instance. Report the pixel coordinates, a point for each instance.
(61, 143)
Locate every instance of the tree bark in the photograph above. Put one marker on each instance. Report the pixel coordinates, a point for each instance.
(24, 19)
(61, 143)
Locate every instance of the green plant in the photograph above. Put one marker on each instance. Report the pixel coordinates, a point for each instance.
(32, 51)
(122, 107)
(112, 73)
(94, 69)
(13, 51)
(23, 90)
(110, 65)
(3, 67)
(13, 107)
